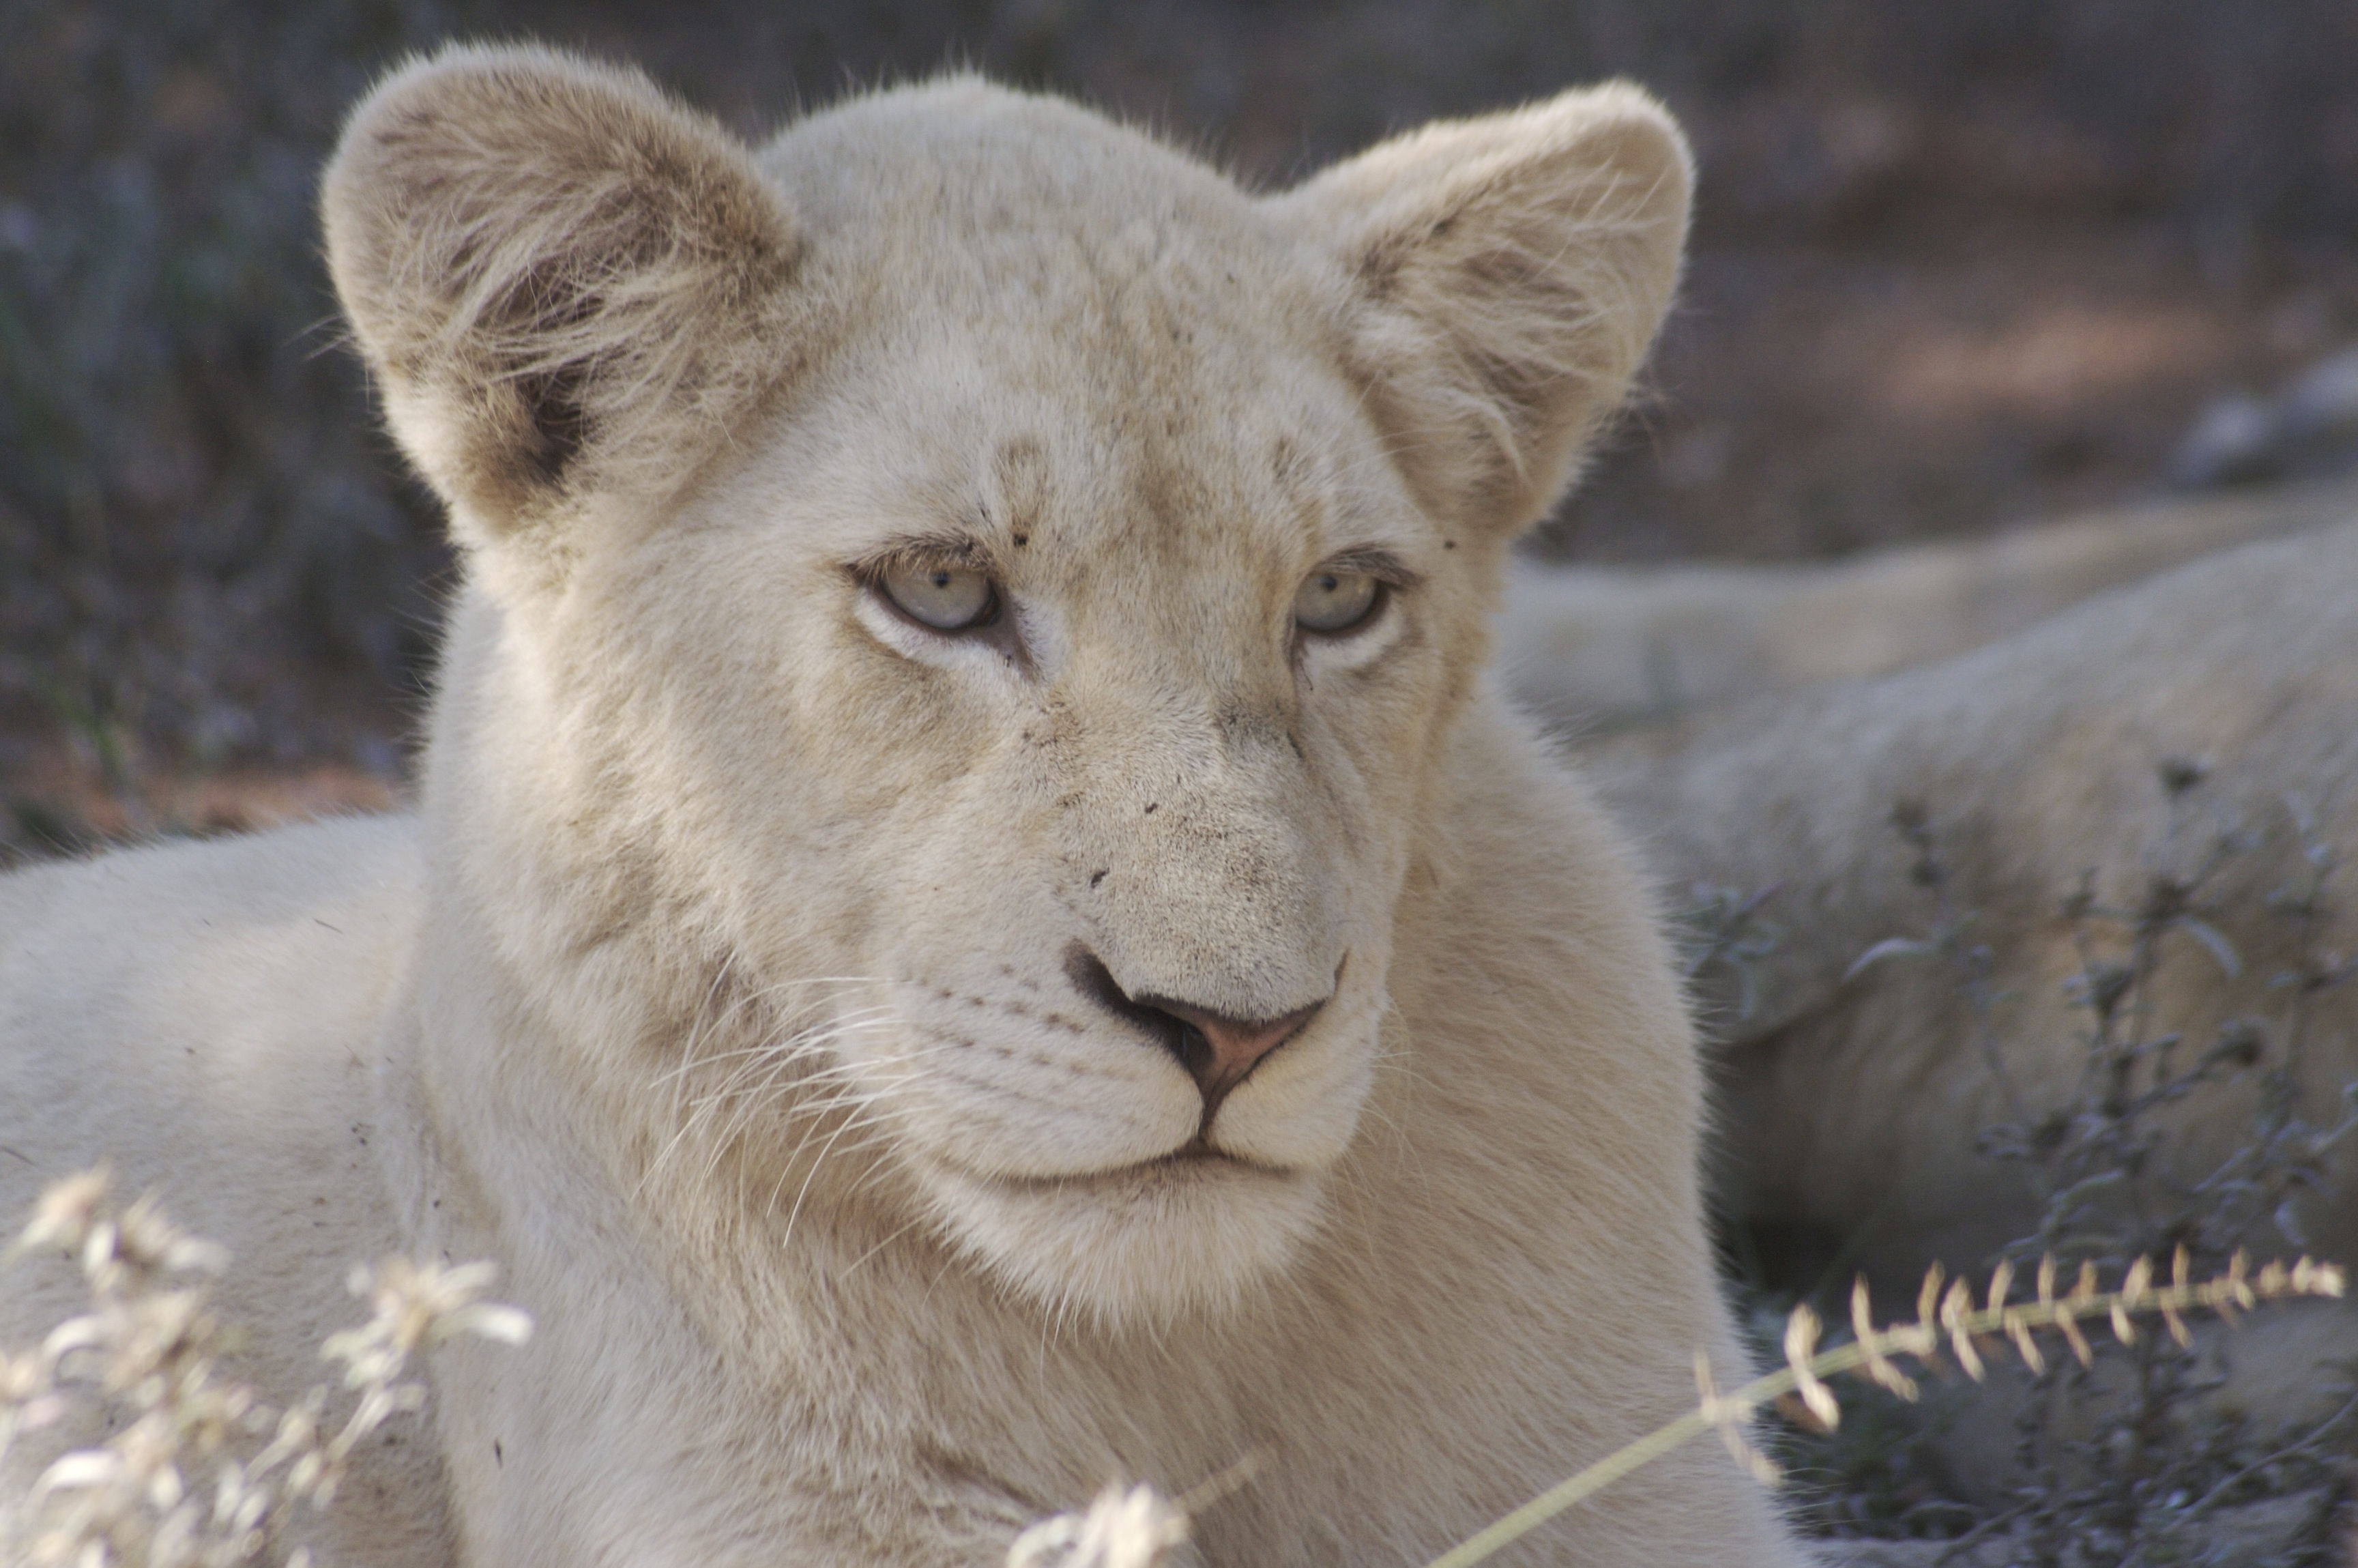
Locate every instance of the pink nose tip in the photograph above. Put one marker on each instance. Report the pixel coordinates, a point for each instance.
(1216, 1050)
(1230, 1047)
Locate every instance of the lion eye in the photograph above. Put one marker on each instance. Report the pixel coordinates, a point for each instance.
(1334, 601)
(945, 596)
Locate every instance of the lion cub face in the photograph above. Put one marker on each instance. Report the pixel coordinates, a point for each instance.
(982, 569)
(1096, 714)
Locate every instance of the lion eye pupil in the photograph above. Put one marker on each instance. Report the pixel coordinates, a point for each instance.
(1333, 602)
(942, 597)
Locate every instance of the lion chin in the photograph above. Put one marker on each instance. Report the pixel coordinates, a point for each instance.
(1140, 1244)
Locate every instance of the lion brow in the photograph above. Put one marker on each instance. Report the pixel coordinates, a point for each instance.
(942, 545)
(1377, 562)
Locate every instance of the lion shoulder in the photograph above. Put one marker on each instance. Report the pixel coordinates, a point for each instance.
(221, 1000)
(222, 997)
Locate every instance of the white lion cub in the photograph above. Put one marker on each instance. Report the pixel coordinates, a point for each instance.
(975, 925)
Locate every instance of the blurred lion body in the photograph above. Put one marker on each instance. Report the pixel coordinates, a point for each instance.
(792, 994)
(2122, 742)
(1593, 649)
(1857, 1101)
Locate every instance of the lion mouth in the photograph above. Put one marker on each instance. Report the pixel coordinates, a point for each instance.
(1195, 1225)
(1198, 1154)
(1195, 1160)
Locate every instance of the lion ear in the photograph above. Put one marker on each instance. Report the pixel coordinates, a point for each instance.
(568, 285)
(1505, 275)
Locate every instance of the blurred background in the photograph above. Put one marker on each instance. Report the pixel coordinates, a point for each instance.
(1961, 265)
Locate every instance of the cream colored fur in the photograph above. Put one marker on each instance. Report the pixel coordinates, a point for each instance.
(749, 984)
(1597, 648)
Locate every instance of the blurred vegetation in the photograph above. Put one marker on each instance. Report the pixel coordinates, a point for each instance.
(209, 555)
(194, 507)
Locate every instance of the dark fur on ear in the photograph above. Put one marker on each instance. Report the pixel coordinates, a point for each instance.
(568, 285)
(1505, 276)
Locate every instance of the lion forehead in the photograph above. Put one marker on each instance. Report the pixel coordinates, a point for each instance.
(993, 163)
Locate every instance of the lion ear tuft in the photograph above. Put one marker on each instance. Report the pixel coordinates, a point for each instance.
(1505, 276)
(567, 283)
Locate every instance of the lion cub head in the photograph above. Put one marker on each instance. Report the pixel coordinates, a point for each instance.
(987, 591)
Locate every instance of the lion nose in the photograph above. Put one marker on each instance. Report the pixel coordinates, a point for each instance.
(1218, 1050)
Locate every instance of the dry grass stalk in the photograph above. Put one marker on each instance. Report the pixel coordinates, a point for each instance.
(199, 1473)
(1946, 1321)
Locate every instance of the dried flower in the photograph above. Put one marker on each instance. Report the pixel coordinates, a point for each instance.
(1135, 1528)
(182, 1483)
